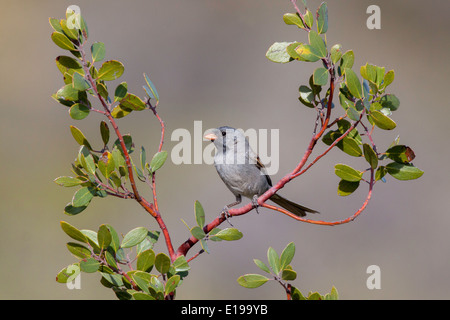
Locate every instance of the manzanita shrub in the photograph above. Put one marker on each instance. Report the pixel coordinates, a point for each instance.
(128, 264)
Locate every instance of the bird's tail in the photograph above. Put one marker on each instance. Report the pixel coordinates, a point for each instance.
(292, 207)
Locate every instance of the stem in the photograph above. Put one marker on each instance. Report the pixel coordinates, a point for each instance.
(150, 208)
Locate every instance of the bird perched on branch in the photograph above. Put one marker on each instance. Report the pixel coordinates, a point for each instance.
(242, 171)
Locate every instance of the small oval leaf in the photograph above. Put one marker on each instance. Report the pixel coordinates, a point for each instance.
(110, 70)
(252, 280)
(134, 237)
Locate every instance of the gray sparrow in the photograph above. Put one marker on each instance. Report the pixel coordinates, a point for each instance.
(241, 170)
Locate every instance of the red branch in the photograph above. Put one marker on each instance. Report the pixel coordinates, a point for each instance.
(149, 207)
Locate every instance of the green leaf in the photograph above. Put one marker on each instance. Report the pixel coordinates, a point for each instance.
(380, 173)
(98, 51)
(277, 52)
(314, 296)
(229, 234)
(62, 41)
(106, 164)
(89, 265)
(390, 101)
(104, 237)
(142, 296)
(86, 159)
(296, 294)
(129, 145)
(370, 156)
(309, 18)
(322, 18)
(134, 237)
(113, 279)
(388, 78)
(180, 264)
(347, 173)
(110, 70)
(121, 91)
(119, 111)
(320, 76)
(102, 90)
(171, 284)
(346, 188)
(288, 274)
(73, 232)
(132, 102)
(68, 93)
(78, 250)
(317, 43)
(145, 260)
(78, 111)
(112, 262)
(68, 65)
(252, 280)
(347, 60)
(79, 137)
(69, 181)
(115, 242)
(197, 232)
(333, 294)
(148, 242)
(382, 121)
(291, 50)
(162, 263)
(69, 273)
(336, 53)
(79, 82)
(353, 83)
(369, 72)
(55, 24)
(306, 96)
(350, 146)
(151, 89)
(84, 28)
(400, 154)
(402, 171)
(274, 260)
(261, 265)
(212, 234)
(199, 214)
(158, 160)
(293, 19)
(204, 245)
(142, 279)
(83, 196)
(307, 53)
(72, 211)
(287, 255)
(91, 237)
(104, 131)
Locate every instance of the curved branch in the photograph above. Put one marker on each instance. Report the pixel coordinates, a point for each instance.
(149, 207)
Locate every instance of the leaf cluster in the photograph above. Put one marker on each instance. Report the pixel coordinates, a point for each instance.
(84, 80)
(151, 276)
(280, 270)
(364, 99)
(104, 172)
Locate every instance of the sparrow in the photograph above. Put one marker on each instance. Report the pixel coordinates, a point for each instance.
(241, 170)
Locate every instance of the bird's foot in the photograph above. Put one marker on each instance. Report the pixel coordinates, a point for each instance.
(255, 203)
(226, 215)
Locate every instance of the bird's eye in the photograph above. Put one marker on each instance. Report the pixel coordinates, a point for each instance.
(224, 133)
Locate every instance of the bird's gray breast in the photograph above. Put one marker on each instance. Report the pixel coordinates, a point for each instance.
(243, 179)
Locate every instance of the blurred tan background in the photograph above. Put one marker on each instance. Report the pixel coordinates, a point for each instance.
(207, 59)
